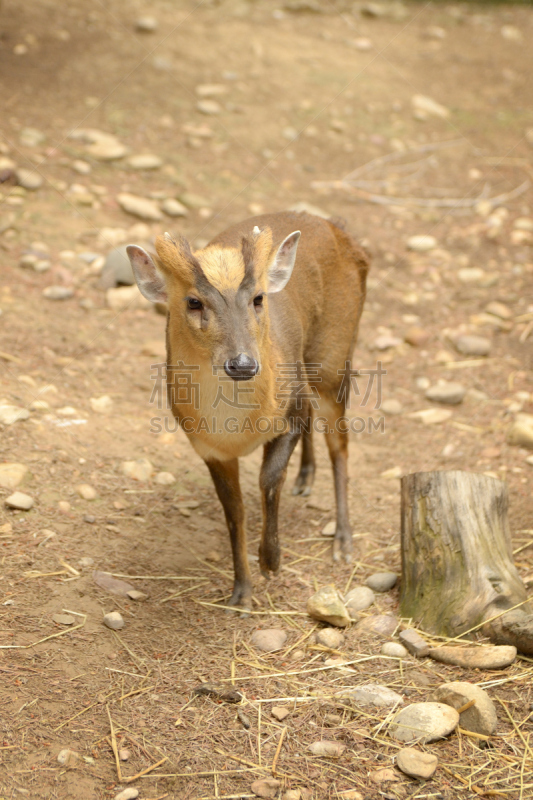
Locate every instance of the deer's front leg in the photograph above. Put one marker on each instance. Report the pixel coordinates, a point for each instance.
(273, 471)
(225, 476)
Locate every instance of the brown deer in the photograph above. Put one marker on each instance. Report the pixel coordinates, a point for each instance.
(276, 293)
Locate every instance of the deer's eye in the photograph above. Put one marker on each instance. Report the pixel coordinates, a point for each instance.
(258, 301)
(194, 304)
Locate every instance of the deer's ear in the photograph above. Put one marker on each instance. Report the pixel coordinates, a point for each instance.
(281, 268)
(149, 280)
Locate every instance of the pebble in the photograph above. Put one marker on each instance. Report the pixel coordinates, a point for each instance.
(144, 161)
(107, 149)
(391, 407)
(81, 167)
(471, 345)
(101, 405)
(165, 478)
(130, 793)
(481, 717)
(192, 200)
(280, 712)
(415, 643)
(424, 722)
(329, 528)
(330, 637)
(86, 492)
(58, 293)
(209, 107)
(20, 501)
(373, 694)
(28, 179)
(10, 414)
(424, 107)
(446, 392)
(292, 794)
(117, 269)
(471, 275)
(12, 475)
(31, 137)
(146, 24)
(416, 337)
(211, 89)
(416, 764)
(66, 757)
(359, 599)
(266, 787)
(140, 470)
(385, 342)
(394, 650)
(326, 605)
(139, 207)
(114, 620)
(382, 581)
(421, 243)
(377, 625)
(34, 262)
(86, 562)
(327, 749)
(521, 431)
(137, 595)
(529, 460)
(173, 208)
(269, 640)
(63, 506)
(126, 298)
(124, 754)
(499, 310)
(64, 619)
(486, 657)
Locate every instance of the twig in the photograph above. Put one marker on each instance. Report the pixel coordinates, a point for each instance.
(46, 638)
(136, 691)
(278, 750)
(114, 745)
(145, 771)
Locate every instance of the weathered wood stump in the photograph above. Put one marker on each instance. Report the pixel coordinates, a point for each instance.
(457, 563)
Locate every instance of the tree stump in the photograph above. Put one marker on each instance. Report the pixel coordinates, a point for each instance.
(457, 563)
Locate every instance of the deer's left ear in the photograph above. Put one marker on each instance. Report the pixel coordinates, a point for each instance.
(281, 268)
(149, 280)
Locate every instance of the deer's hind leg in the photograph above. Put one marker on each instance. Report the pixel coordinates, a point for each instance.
(336, 431)
(304, 480)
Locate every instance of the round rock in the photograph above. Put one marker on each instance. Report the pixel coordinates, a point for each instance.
(377, 625)
(424, 722)
(19, 501)
(11, 475)
(146, 25)
(473, 345)
(173, 208)
(359, 599)
(130, 793)
(114, 620)
(145, 161)
(58, 293)
(140, 470)
(29, 180)
(481, 717)
(421, 243)
(330, 637)
(446, 392)
(86, 491)
(391, 407)
(416, 764)
(394, 650)
(326, 605)
(486, 657)
(139, 207)
(11, 414)
(382, 581)
(269, 640)
(372, 694)
(164, 478)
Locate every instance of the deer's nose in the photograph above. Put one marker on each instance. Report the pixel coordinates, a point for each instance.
(241, 368)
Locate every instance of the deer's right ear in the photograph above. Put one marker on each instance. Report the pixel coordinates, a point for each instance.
(149, 280)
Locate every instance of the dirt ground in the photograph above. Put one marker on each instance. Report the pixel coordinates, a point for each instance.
(312, 91)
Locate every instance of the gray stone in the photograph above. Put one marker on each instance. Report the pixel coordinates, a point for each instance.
(424, 722)
(58, 292)
(416, 764)
(330, 637)
(372, 694)
(269, 640)
(421, 243)
(139, 207)
(382, 581)
(10, 414)
(326, 605)
(394, 650)
(485, 657)
(114, 620)
(117, 269)
(359, 599)
(378, 625)
(12, 474)
(173, 208)
(415, 643)
(473, 345)
(481, 717)
(20, 501)
(145, 161)
(446, 392)
(29, 179)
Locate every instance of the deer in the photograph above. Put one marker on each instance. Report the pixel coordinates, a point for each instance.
(269, 293)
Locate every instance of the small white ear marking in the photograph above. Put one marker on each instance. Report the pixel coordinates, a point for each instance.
(256, 231)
